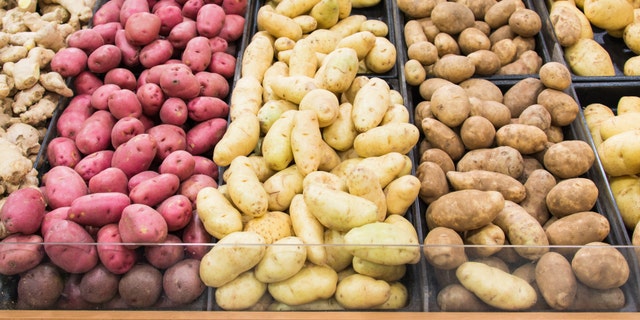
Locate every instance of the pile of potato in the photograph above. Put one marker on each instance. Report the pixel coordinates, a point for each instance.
(456, 40)
(496, 170)
(322, 144)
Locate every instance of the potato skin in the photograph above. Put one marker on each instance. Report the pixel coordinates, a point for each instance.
(590, 261)
(555, 280)
(510, 188)
(444, 257)
(571, 195)
(521, 228)
(465, 210)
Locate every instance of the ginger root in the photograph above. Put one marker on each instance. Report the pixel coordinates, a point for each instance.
(25, 137)
(14, 166)
(26, 98)
(40, 112)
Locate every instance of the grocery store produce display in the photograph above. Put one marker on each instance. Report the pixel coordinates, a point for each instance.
(313, 155)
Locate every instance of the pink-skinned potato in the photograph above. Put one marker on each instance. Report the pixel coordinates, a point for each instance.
(71, 298)
(112, 254)
(205, 135)
(108, 12)
(104, 58)
(86, 82)
(98, 209)
(177, 211)
(20, 252)
(233, 27)
(55, 214)
(170, 16)
(204, 108)
(95, 133)
(238, 7)
(124, 129)
(176, 81)
(62, 185)
(210, 20)
(154, 73)
(142, 176)
(152, 192)
(213, 84)
(22, 211)
(135, 155)
(169, 137)
(94, 163)
(190, 8)
(223, 63)
(100, 97)
(122, 77)
(141, 223)
(87, 40)
(218, 44)
(181, 282)
(190, 187)
(151, 98)
(62, 151)
(70, 247)
(69, 62)
(131, 7)
(124, 103)
(157, 52)
(40, 287)
(181, 33)
(141, 28)
(195, 233)
(205, 166)
(72, 117)
(174, 111)
(180, 163)
(109, 180)
(108, 31)
(99, 285)
(197, 54)
(164, 256)
(130, 54)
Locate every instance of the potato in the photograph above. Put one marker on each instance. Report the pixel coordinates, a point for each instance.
(621, 10)
(25, 253)
(272, 226)
(589, 262)
(562, 107)
(568, 159)
(99, 285)
(498, 14)
(472, 39)
(245, 128)
(488, 239)
(400, 245)
(239, 256)
(382, 57)
(571, 195)
(400, 137)
(443, 137)
(456, 298)
(309, 229)
(588, 58)
(536, 115)
(555, 280)
(593, 299)
(67, 244)
(510, 188)
(180, 282)
(295, 290)
(564, 230)
(485, 62)
(338, 69)
(306, 141)
(555, 75)
(477, 132)
(339, 213)
(496, 112)
(281, 261)
(522, 94)
(566, 24)
(413, 33)
(521, 228)
(453, 67)
(116, 258)
(40, 287)
(458, 211)
(442, 13)
(349, 292)
(537, 186)
(450, 104)
(401, 193)
(257, 57)
(438, 254)
(141, 286)
(98, 209)
(616, 154)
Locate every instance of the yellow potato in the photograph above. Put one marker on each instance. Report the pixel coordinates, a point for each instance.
(370, 104)
(292, 88)
(241, 179)
(326, 179)
(282, 186)
(398, 298)
(276, 144)
(276, 69)
(338, 70)
(326, 13)
(619, 154)
(619, 123)
(325, 104)
(317, 305)
(323, 41)
(240, 293)
(362, 42)
(609, 14)
(219, 217)
(271, 111)
(379, 271)
(384, 243)
(338, 257)
(293, 8)
(339, 210)
(282, 260)
(626, 192)
(307, 227)
(363, 182)
(277, 24)
(257, 57)
(382, 57)
(311, 283)
(231, 256)
(307, 23)
(401, 193)
(349, 25)
(588, 58)
(397, 136)
(306, 141)
(359, 291)
(272, 226)
(387, 167)
(628, 104)
(303, 60)
(240, 139)
(246, 97)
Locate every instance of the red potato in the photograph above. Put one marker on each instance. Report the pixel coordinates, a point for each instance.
(177, 211)
(179, 162)
(122, 77)
(197, 54)
(71, 298)
(86, 82)
(218, 44)
(69, 62)
(213, 84)
(154, 73)
(98, 209)
(177, 82)
(174, 111)
(139, 177)
(112, 254)
(182, 33)
(131, 7)
(205, 135)
(40, 287)
(233, 27)
(62, 185)
(72, 117)
(142, 77)
(94, 163)
(181, 282)
(192, 185)
(100, 97)
(169, 139)
(58, 213)
(104, 58)
(223, 63)
(204, 108)
(190, 8)
(130, 53)
(70, 247)
(165, 255)
(88, 40)
(195, 233)
(124, 103)
(99, 285)
(109, 180)
(210, 20)
(152, 192)
(22, 212)
(238, 7)
(62, 151)
(170, 16)
(151, 98)
(108, 31)
(108, 12)
(95, 133)
(125, 129)
(205, 166)
(135, 155)
(141, 224)
(141, 28)
(19, 253)
(155, 53)
(164, 3)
